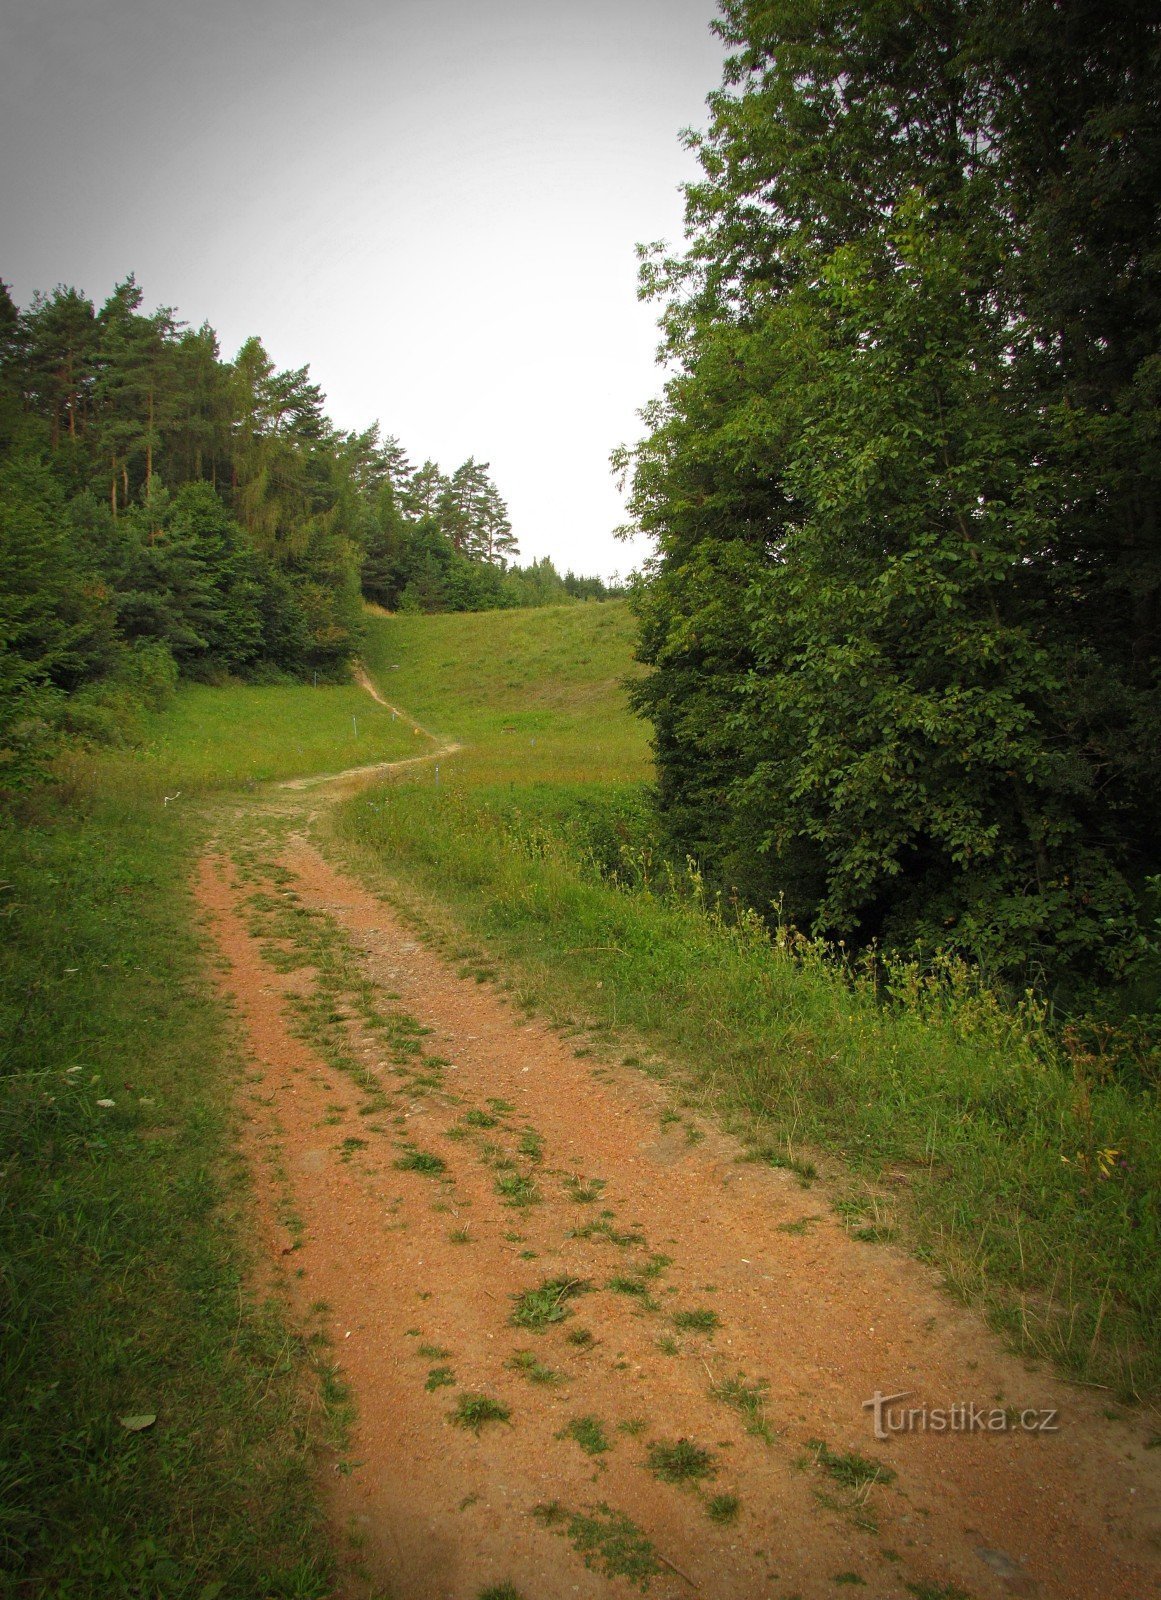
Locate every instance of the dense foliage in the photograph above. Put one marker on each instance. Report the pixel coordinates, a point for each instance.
(163, 511)
(903, 620)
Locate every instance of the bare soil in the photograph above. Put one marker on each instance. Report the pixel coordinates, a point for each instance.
(638, 1219)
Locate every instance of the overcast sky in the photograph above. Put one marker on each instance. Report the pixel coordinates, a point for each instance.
(434, 203)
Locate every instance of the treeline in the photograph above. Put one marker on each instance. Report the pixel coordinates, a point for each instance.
(437, 543)
(166, 512)
(905, 616)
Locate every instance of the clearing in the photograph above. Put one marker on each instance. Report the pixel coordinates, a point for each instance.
(592, 1348)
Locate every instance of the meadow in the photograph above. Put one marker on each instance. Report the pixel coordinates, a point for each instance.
(535, 696)
(943, 1116)
(214, 737)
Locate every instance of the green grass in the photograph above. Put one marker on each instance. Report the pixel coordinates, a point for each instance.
(748, 1399)
(528, 1366)
(475, 1411)
(517, 1189)
(226, 737)
(534, 695)
(679, 1462)
(990, 1138)
(588, 1432)
(539, 1308)
(702, 1320)
(124, 1267)
(723, 1508)
(848, 1468)
(420, 1161)
(608, 1541)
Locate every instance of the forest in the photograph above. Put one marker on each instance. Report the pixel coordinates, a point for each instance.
(166, 513)
(904, 621)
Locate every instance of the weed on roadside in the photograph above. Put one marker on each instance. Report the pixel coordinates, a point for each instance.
(680, 1462)
(723, 1508)
(607, 1541)
(538, 1308)
(528, 1366)
(475, 1411)
(588, 1432)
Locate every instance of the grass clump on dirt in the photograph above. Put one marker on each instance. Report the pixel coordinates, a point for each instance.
(723, 1508)
(517, 1189)
(749, 1399)
(937, 1591)
(848, 1468)
(588, 1432)
(500, 1591)
(439, 1378)
(635, 1288)
(586, 1192)
(608, 1541)
(528, 1366)
(538, 1308)
(682, 1461)
(475, 1411)
(420, 1161)
(701, 1320)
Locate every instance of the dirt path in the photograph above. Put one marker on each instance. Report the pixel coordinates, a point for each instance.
(426, 1156)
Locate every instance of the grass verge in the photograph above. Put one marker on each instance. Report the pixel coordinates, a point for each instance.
(123, 1278)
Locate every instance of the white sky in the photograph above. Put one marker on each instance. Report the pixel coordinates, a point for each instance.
(434, 203)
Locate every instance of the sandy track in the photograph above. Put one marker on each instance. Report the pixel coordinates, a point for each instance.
(409, 1261)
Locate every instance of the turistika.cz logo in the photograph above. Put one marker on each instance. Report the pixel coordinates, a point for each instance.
(962, 1417)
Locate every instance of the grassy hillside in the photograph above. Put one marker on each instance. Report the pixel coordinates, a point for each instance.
(227, 737)
(945, 1118)
(534, 695)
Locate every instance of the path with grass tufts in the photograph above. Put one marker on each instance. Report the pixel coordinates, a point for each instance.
(575, 1343)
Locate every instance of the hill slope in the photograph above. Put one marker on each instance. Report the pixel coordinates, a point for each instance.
(535, 695)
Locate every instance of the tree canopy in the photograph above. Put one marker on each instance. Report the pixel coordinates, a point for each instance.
(903, 618)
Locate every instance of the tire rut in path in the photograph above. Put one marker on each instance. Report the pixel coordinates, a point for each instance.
(420, 1270)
